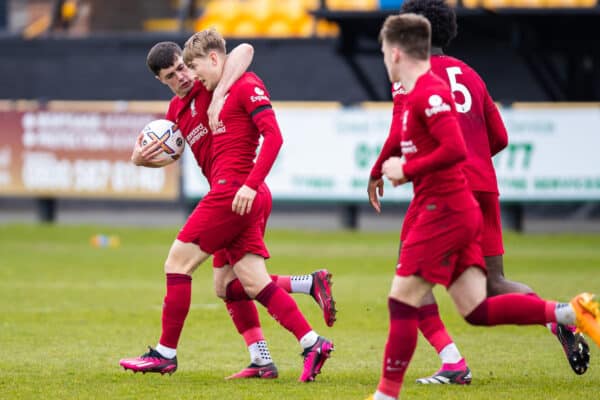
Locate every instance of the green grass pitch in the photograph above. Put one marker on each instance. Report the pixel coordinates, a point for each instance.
(69, 312)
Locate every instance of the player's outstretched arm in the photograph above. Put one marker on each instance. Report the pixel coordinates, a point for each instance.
(146, 156)
(238, 61)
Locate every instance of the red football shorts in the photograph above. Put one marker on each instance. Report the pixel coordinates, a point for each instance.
(218, 230)
(221, 257)
(441, 240)
(491, 238)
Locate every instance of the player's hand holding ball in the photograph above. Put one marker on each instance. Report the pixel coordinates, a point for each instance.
(159, 144)
(393, 169)
(146, 154)
(242, 202)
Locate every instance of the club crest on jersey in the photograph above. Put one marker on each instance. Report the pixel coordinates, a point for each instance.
(220, 128)
(260, 95)
(437, 105)
(397, 89)
(193, 108)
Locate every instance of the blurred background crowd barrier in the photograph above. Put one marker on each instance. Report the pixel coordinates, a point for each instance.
(76, 93)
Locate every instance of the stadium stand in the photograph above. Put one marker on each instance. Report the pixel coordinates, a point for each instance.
(539, 62)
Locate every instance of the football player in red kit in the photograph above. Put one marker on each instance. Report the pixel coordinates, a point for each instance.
(485, 135)
(442, 235)
(188, 109)
(232, 214)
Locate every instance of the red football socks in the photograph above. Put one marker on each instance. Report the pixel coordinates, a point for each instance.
(400, 346)
(175, 308)
(235, 291)
(283, 281)
(432, 327)
(283, 309)
(513, 308)
(245, 318)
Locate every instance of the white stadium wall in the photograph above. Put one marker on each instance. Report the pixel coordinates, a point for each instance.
(328, 152)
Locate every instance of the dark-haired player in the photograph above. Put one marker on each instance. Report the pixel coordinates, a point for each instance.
(485, 135)
(442, 230)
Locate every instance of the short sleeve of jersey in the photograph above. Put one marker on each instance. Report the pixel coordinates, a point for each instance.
(252, 94)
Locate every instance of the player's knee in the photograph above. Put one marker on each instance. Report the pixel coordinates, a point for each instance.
(252, 290)
(173, 266)
(479, 315)
(220, 290)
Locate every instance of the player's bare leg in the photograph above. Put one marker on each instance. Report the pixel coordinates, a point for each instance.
(252, 273)
(182, 261)
(521, 309)
(573, 344)
(454, 369)
(497, 283)
(469, 295)
(317, 284)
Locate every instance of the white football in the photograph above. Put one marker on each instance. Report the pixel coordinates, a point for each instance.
(169, 136)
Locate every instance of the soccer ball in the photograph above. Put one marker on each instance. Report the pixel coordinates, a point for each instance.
(169, 136)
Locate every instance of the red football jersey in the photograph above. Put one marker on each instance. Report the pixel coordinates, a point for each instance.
(431, 140)
(245, 116)
(189, 113)
(481, 124)
(479, 119)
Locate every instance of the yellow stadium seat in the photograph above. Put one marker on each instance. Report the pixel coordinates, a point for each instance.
(496, 3)
(271, 18)
(205, 23)
(283, 18)
(219, 14)
(529, 3)
(305, 26)
(471, 3)
(69, 10)
(353, 5)
(310, 4)
(245, 28)
(161, 24)
(561, 3)
(278, 28)
(325, 28)
(293, 13)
